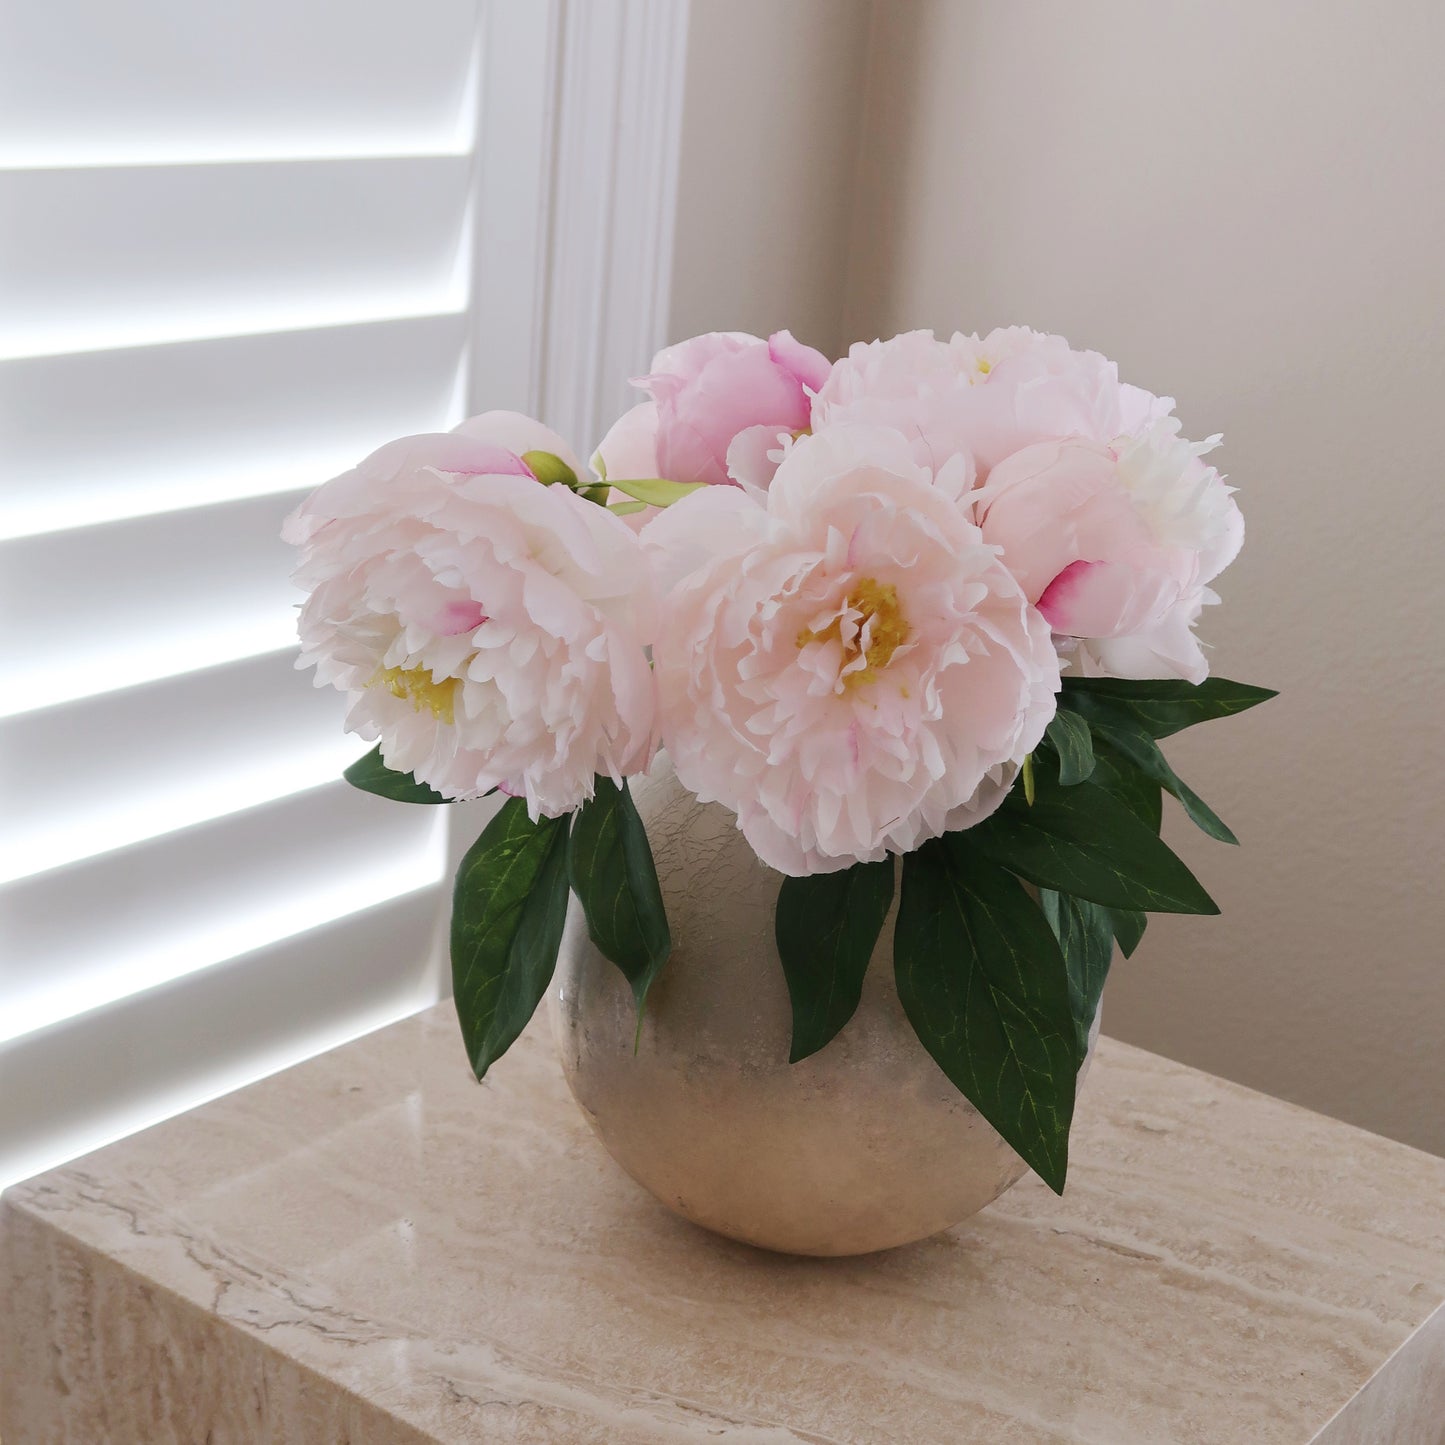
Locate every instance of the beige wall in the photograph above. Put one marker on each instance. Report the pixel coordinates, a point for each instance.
(770, 128)
(1244, 202)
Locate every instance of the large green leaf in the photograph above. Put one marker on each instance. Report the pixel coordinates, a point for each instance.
(984, 985)
(508, 909)
(1082, 840)
(372, 775)
(826, 927)
(1068, 734)
(1163, 705)
(1128, 928)
(610, 864)
(1086, 938)
(1117, 775)
(1132, 740)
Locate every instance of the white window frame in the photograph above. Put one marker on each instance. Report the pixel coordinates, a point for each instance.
(594, 170)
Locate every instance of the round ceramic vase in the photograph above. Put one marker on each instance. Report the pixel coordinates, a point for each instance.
(863, 1146)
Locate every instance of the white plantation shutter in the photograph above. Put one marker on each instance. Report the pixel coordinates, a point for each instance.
(239, 247)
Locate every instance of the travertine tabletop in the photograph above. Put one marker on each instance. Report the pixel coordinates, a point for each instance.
(371, 1249)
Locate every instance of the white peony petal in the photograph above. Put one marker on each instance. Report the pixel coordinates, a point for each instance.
(848, 668)
(485, 628)
(518, 433)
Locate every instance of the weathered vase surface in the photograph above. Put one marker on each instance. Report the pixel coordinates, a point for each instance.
(864, 1146)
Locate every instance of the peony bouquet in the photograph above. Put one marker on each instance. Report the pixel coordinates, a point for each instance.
(936, 600)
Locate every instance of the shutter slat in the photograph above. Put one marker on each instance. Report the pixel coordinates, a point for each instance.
(236, 255)
(132, 600)
(158, 79)
(116, 769)
(165, 422)
(113, 924)
(197, 897)
(97, 258)
(96, 1077)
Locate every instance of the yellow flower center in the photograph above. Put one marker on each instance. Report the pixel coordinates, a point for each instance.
(421, 689)
(984, 366)
(880, 620)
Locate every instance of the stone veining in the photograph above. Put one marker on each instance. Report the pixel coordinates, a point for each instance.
(370, 1250)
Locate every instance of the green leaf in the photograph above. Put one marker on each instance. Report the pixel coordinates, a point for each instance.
(1133, 741)
(508, 909)
(1086, 938)
(1128, 928)
(827, 926)
(1164, 705)
(610, 864)
(1082, 840)
(372, 775)
(1117, 775)
(626, 509)
(1069, 736)
(984, 985)
(657, 491)
(550, 469)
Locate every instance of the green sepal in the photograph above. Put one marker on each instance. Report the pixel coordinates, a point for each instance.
(550, 469)
(372, 775)
(1132, 740)
(610, 864)
(657, 491)
(508, 909)
(1163, 706)
(982, 980)
(1086, 938)
(1068, 735)
(1084, 841)
(827, 927)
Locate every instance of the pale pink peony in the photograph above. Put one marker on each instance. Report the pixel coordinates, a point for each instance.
(1115, 545)
(847, 665)
(490, 631)
(518, 433)
(705, 392)
(983, 398)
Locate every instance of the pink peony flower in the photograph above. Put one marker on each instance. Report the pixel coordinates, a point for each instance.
(490, 631)
(1115, 545)
(517, 433)
(983, 398)
(846, 664)
(704, 393)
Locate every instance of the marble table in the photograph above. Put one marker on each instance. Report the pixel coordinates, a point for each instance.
(370, 1249)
